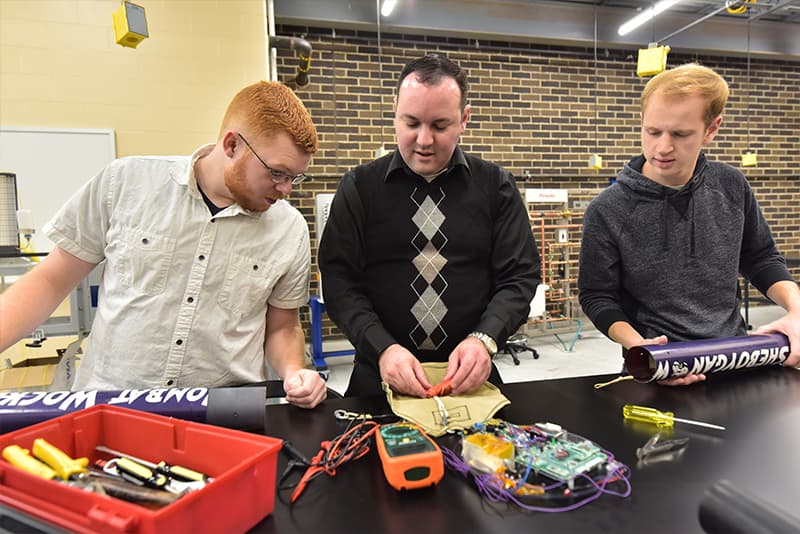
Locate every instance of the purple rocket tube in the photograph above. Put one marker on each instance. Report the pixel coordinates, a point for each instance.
(239, 407)
(649, 363)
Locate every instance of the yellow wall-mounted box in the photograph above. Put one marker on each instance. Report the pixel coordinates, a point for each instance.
(130, 25)
(596, 161)
(749, 159)
(652, 60)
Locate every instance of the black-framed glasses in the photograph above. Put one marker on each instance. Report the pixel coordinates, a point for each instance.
(278, 177)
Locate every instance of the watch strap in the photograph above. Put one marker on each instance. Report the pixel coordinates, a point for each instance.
(487, 340)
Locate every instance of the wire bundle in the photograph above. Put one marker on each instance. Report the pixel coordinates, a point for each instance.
(549, 495)
(346, 447)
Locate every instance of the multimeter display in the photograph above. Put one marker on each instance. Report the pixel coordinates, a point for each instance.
(410, 458)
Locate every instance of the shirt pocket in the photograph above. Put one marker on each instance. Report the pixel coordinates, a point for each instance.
(248, 284)
(145, 261)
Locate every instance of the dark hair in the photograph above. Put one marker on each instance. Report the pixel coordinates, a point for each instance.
(430, 69)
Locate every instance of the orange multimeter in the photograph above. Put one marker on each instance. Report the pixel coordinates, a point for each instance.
(410, 458)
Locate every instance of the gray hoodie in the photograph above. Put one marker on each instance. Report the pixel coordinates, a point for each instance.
(667, 261)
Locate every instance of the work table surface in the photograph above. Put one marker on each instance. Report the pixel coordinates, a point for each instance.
(758, 453)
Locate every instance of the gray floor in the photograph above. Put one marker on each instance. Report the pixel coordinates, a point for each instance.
(591, 354)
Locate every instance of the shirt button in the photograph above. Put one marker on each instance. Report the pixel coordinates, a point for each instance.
(190, 300)
(145, 241)
(201, 257)
(179, 342)
(213, 220)
(170, 382)
(255, 267)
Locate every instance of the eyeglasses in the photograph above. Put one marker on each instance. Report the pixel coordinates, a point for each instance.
(278, 177)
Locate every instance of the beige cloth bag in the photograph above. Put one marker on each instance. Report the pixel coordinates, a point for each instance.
(439, 414)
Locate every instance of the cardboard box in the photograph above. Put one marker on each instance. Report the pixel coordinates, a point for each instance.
(26, 353)
(49, 367)
(29, 378)
(243, 467)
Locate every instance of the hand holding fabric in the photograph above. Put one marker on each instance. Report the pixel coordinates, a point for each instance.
(469, 366)
(403, 372)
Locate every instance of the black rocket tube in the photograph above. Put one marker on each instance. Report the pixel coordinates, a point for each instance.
(240, 407)
(649, 363)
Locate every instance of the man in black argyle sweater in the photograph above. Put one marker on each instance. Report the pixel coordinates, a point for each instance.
(427, 254)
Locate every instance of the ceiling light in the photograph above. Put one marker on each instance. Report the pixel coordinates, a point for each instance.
(644, 16)
(388, 7)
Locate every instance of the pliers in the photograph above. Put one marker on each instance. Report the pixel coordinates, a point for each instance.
(51, 463)
(658, 450)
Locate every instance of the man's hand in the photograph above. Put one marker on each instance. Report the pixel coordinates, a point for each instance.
(682, 381)
(305, 388)
(403, 372)
(469, 366)
(788, 325)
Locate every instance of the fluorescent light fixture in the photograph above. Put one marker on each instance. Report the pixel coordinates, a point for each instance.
(388, 7)
(645, 15)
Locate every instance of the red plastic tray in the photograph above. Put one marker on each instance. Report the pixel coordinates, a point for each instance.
(243, 466)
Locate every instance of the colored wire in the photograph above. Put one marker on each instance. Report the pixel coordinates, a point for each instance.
(494, 487)
(346, 447)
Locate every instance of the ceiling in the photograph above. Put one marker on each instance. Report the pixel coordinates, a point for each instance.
(692, 25)
(766, 10)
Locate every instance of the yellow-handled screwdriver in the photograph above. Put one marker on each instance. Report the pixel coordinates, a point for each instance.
(658, 418)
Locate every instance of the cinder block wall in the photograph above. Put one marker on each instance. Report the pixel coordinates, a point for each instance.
(541, 111)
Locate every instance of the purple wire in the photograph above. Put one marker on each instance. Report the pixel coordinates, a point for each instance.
(492, 488)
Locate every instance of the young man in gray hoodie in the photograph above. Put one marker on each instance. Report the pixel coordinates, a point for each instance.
(662, 248)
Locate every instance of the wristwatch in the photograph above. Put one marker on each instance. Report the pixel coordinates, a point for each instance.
(488, 342)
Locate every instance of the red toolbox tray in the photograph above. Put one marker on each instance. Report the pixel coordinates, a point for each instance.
(243, 467)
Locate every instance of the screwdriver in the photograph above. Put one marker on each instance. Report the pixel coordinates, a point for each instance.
(174, 471)
(661, 419)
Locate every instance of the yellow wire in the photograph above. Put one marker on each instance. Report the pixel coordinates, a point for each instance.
(618, 379)
(28, 248)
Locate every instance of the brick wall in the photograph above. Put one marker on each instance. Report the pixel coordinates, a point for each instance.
(541, 111)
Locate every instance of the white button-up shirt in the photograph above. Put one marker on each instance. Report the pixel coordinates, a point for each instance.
(184, 295)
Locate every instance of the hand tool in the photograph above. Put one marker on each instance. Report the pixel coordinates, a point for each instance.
(51, 463)
(658, 418)
(116, 486)
(19, 457)
(138, 474)
(177, 472)
(655, 446)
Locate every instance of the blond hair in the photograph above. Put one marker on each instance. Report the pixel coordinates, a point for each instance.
(688, 80)
(265, 108)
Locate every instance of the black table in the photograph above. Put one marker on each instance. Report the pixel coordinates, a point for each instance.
(758, 453)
